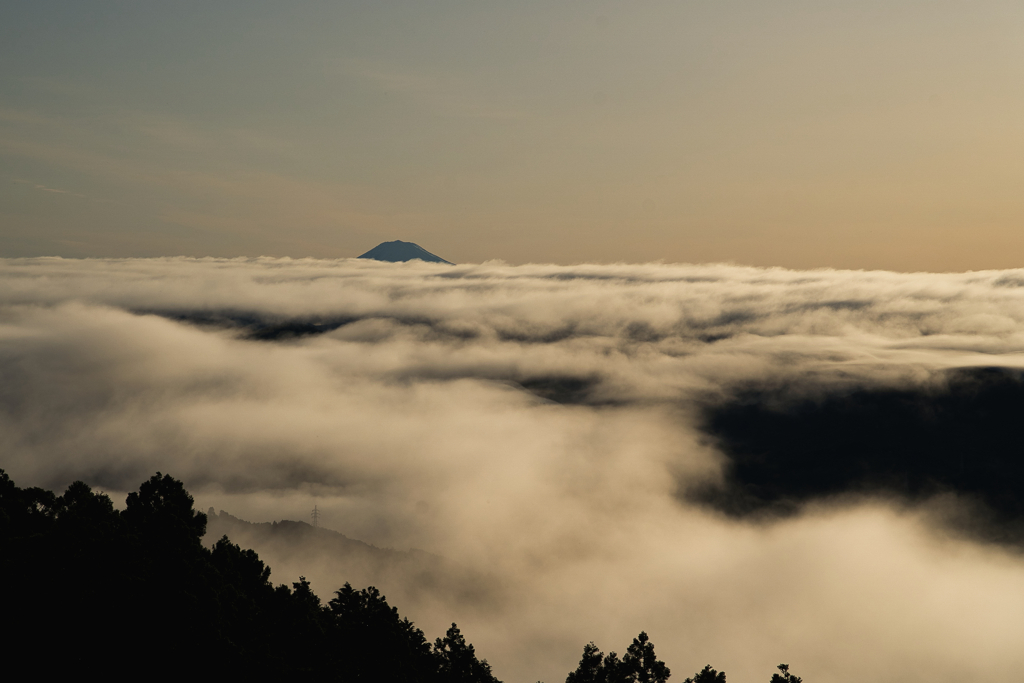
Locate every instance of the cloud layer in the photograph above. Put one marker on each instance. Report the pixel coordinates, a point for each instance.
(546, 427)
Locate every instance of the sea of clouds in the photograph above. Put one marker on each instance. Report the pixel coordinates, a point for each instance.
(540, 427)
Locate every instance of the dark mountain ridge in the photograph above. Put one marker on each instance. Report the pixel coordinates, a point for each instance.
(326, 557)
(398, 251)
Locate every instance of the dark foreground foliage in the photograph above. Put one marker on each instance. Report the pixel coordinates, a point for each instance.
(785, 676)
(135, 593)
(638, 665)
(641, 665)
(709, 675)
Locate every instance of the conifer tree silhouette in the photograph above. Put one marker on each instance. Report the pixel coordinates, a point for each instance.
(785, 676)
(140, 583)
(458, 662)
(591, 667)
(707, 675)
(638, 665)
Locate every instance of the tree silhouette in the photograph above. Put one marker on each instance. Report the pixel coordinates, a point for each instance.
(162, 505)
(367, 633)
(638, 665)
(591, 668)
(94, 580)
(458, 662)
(785, 676)
(140, 583)
(707, 675)
(642, 665)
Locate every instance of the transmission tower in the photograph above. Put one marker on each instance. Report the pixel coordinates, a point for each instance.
(315, 514)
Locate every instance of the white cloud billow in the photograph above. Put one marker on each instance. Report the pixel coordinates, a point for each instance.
(408, 424)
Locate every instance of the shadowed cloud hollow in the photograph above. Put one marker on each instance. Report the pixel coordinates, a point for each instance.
(960, 433)
(751, 465)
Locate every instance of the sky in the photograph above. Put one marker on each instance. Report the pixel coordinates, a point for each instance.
(861, 135)
(548, 431)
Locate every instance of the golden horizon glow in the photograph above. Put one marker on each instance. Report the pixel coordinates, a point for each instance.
(858, 135)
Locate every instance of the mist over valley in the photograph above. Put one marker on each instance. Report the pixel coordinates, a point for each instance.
(751, 465)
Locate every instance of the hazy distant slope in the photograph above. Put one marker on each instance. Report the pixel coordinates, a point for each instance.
(397, 251)
(328, 559)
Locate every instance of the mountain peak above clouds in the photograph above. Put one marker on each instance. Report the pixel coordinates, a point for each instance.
(398, 251)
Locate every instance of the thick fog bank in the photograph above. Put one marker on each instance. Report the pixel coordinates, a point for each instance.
(754, 466)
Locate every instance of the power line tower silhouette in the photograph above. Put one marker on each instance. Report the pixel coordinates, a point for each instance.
(315, 514)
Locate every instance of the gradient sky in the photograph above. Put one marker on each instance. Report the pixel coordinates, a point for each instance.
(856, 134)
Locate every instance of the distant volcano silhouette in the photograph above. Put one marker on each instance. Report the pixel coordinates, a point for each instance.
(402, 251)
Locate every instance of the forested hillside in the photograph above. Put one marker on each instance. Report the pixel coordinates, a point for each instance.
(86, 585)
(411, 578)
(135, 590)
